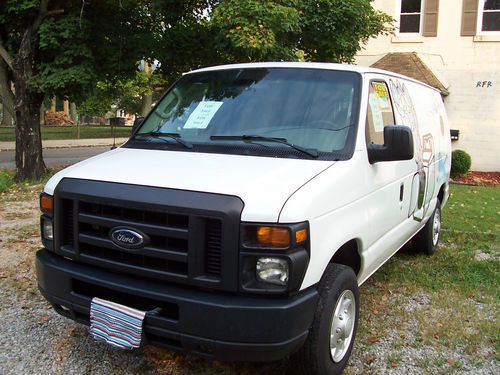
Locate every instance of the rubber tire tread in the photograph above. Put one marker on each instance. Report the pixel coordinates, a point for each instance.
(314, 356)
(423, 239)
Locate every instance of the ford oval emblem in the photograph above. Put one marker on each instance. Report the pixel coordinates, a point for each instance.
(127, 238)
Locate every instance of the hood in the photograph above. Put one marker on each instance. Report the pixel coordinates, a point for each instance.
(262, 183)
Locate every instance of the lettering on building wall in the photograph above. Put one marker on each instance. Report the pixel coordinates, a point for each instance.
(484, 84)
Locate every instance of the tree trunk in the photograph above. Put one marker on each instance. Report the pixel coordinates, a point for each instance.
(72, 112)
(42, 115)
(7, 119)
(6, 96)
(29, 158)
(147, 102)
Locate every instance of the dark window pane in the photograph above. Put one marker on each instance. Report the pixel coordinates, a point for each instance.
(492, 5)
(410, 24)
(410, 6)
(491, 21)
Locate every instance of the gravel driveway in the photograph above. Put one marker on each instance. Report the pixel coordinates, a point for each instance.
(36, 340)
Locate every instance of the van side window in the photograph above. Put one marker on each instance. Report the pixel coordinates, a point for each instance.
(380, 113)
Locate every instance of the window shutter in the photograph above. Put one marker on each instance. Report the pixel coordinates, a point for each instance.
(431, 9)
(469, 17)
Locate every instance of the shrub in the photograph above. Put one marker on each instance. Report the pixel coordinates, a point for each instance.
(460, 163)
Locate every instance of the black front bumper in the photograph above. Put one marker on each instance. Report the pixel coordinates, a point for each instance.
(211, 324)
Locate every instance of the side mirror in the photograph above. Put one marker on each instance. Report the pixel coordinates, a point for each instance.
(398, 145)
(137, 122)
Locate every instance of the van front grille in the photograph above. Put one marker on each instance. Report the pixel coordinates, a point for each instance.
(182, 246)
(213, 247)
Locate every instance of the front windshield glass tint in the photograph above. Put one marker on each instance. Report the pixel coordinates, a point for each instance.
(311, 108)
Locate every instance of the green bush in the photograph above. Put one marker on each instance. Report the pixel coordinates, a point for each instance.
(460, 163)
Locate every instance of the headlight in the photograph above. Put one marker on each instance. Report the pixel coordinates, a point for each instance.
(47, 229)
(46, 223)
(273, 257)
(272, 270)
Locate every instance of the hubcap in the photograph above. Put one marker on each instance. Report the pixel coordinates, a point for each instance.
(342, 327)
(436, 226)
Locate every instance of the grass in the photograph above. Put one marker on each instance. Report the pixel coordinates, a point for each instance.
(6, 180)
(472, 208)
(70, 132)
(19, 190)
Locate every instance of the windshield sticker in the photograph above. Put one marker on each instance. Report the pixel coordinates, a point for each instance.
(382, 94)
(202, 115)
(378, 119)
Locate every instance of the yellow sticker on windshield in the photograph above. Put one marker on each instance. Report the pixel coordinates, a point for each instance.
(382, 94)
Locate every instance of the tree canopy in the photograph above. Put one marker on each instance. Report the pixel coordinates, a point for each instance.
(64, 48)
(318, 30)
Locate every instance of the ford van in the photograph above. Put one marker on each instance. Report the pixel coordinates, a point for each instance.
(243, 214)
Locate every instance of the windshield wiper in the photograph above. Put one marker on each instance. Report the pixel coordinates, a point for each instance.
(249, 138)
(156, 134)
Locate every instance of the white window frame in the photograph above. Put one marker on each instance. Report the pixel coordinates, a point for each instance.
(479, 23)
(399, 4)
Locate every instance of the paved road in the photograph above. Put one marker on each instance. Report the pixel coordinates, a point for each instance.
(56, 156)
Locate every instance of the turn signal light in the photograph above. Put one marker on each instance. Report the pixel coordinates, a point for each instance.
(273, 236)
(301, 236)
(47, 204)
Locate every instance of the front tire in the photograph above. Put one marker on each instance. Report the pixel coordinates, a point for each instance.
(331, 338)
(427, 240)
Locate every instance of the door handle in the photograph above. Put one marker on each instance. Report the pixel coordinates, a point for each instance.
(401, 192)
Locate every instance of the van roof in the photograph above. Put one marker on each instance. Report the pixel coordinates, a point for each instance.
(310, 65)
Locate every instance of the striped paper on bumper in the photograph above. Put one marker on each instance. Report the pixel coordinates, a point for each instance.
(116, 324)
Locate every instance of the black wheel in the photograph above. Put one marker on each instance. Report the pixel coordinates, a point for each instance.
(331, 338)
(427, 239)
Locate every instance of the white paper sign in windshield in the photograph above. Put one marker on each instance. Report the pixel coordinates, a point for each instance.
(202, 115)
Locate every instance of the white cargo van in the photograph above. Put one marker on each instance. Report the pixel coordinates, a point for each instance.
(246, 209)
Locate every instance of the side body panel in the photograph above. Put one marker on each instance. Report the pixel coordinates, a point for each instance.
(432, 137)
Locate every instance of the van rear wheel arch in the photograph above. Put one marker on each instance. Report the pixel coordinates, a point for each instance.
(441, 193)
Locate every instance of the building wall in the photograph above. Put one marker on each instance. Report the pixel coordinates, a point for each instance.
(469, 66)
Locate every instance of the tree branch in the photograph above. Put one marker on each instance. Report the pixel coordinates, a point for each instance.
(44, 12)
(54, 12)
(6, 56)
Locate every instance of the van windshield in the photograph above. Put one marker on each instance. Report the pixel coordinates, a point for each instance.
(285, 111)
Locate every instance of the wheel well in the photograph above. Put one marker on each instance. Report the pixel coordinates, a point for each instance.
(441, 194)
(348, 255)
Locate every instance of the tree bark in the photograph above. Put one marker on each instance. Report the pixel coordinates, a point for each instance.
(72, 112)
(7, 119)
(29, 158)
(42, 115)
(6, 96)
(147, 102)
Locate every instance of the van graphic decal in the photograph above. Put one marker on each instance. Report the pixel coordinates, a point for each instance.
(424, 147)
